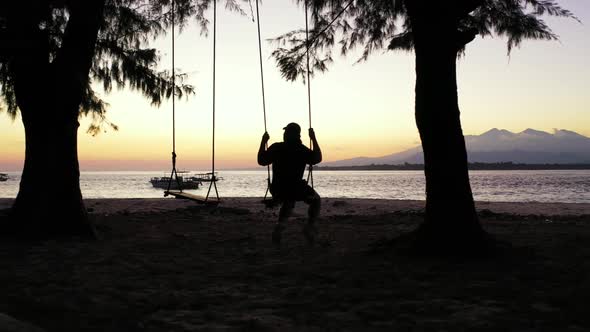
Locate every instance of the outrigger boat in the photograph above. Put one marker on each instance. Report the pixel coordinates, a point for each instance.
(3, 177)
(178, 183)
(206, 177)
(187, 181)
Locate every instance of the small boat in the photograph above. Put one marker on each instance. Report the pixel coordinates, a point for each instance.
(205, 177)
(163, 182)
(3, 177)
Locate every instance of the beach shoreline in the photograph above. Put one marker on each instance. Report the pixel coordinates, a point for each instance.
(174, 265)
(361, 206)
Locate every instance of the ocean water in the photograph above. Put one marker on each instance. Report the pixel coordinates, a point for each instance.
(570, 186)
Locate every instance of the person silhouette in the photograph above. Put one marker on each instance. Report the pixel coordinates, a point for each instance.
(288, 159)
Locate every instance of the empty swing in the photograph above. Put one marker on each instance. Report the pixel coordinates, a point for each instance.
(174, 173)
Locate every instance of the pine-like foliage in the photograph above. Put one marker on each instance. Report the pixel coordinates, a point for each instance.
(374, 25)
(123, 58)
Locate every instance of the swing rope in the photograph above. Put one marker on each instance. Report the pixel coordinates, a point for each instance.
(213, 182)
(263, 96)
(308, 45)
(173, 173)
(317, 35)
(310, 173)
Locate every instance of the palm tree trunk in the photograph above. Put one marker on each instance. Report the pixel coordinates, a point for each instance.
(451, 221)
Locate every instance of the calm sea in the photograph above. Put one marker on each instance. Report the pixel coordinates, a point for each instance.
(505, 186)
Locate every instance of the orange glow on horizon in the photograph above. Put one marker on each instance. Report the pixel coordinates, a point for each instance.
(363, 109)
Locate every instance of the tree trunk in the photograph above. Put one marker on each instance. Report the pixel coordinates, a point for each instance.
(451, 222)
(49, 202)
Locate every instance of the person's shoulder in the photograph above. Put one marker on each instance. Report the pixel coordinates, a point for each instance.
(276, 146)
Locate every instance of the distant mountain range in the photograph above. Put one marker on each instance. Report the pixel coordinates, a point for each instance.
(498, 145)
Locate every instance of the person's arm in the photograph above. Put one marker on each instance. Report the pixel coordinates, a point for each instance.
(316, 152)
(263, 155)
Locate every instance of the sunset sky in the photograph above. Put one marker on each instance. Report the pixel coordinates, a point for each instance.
(357, 110)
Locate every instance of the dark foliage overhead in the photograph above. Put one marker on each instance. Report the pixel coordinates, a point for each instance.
(123, 57)
(382, 25)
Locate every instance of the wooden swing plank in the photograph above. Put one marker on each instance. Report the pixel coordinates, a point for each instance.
(193, 197)
(270, 202)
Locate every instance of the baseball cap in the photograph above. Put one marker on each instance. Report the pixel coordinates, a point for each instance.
(293, 127)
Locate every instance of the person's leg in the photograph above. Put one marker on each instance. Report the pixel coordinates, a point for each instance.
(284, 214)
(315, 203)
(286, 210)
(313, 212)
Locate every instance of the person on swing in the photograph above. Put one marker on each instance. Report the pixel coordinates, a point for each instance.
(288, 159)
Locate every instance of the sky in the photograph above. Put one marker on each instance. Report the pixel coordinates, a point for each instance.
(364, 109)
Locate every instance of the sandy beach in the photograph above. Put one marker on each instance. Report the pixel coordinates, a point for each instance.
(172, 265)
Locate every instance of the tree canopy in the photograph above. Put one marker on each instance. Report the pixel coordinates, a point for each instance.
(374, 25)
(123, 57)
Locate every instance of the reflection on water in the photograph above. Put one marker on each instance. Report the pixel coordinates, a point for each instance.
(507, 186)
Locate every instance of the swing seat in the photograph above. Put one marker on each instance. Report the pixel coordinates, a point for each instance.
(193, 197)
(270, 203)
(209, 177)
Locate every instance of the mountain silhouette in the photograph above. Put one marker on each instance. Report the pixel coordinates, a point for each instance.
(499, 145)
